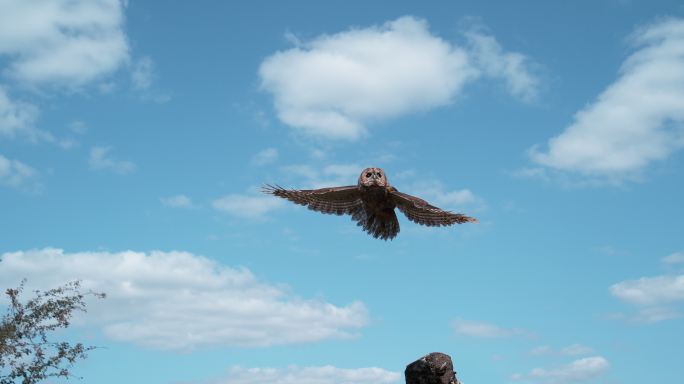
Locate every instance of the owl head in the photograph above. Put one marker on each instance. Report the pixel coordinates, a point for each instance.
(373, 177)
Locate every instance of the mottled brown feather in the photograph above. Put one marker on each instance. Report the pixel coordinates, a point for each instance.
(335, 201)
(419, 211)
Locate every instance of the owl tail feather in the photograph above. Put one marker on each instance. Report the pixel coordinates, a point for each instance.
(382, 225)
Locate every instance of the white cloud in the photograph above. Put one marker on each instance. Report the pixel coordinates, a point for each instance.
(650, 290)
(247, 206)
(180, 301)
(99, 159)
(177, 201)
(655, 315)
(577, 371)
(15, 174)
(675, 258)
(334, 85)
(62, 42)
(16, 117)
(484, 330)
(637, 120)
(310, 375)
(512, 67)
(265, 157)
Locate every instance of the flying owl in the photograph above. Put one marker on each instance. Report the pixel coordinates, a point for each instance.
(371, 204)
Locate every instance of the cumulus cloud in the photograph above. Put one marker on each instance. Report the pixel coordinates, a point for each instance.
(62, 42)
(310, 375)
(575, 372)
(334, 85)
(650, 290)
(637, 120)
(181, 301)
(15, 174)
(265, 157)
(177, 201)
(100, 159)
(483, 329)
(655, 297)
(246, 206)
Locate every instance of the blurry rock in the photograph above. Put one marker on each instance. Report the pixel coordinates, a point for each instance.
(434, 368)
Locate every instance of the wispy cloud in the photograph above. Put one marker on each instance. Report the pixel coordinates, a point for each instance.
(177, 201)
(334, 85)
(310, 375)
(512, 67)
(575, 372)
(483, 329)
(99, 159)
(143, 77)
(142, 73)
(435, 193)
(576, 349)
(655, 315)
(16, 118)
(324, 175)
(674, 258)
(15, 174)
(265, 157)
(247, 206)
(78, 126)
(182, 301)
(570, 350)
(636, 121)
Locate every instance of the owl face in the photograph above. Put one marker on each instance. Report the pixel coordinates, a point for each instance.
(373, 177)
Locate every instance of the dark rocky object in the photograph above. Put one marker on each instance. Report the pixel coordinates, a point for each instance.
(434, 368)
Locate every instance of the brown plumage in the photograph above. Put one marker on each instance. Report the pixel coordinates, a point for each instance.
(371, 204)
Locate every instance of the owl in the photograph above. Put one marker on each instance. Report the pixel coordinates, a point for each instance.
(371, 204)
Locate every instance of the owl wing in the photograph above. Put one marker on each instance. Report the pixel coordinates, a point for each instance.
(335, 200)
(419, 211)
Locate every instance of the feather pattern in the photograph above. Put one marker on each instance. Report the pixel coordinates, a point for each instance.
(334, 201)
(371, 204)
(419, 211)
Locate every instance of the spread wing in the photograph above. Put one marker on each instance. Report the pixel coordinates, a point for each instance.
(335, 200)
(419, 211)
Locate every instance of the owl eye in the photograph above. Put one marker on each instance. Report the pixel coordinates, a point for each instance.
(369, 174)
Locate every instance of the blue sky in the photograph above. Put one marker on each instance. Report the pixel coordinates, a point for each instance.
(134, 138)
